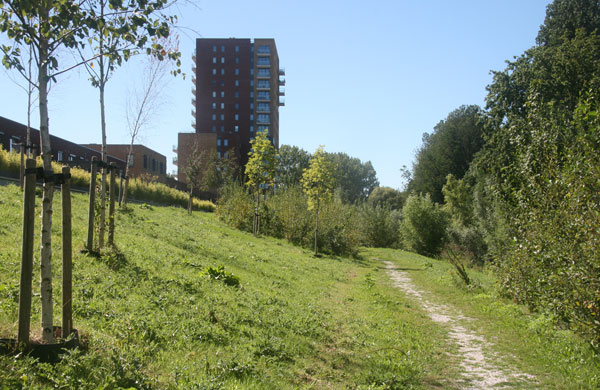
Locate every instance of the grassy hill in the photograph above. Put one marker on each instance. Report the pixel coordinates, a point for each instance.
(152, 317)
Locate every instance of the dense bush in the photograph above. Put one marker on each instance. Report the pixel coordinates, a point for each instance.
(138, 189)
(379, 226)
(424, 225)
(236, 207)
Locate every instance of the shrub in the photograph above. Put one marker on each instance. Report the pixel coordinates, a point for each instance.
(219, 273)
(235, 207)
(379, 226)
(424, 226)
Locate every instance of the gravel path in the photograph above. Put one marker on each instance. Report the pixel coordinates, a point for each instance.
(479, 371)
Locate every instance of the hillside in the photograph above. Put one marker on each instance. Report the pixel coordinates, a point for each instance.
(151, 318)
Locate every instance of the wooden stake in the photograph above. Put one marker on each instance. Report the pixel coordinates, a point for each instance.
(111, 206)
(22, 170)
(27, 254)
(67, 316)
(92, 211)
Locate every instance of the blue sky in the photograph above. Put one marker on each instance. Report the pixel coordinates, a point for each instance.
(364, 78)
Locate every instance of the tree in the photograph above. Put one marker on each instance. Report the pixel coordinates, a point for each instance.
(121, 30)
(293, 161)
(355, 180)
(387, 198)
(144, 103)
(261, 169)
(448, 150)
(318, 183)
(201, 171)
(48, 26)
(424, 225)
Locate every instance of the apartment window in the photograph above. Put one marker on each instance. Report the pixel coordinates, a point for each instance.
(214, 106)
(237, 117)
(252, 128)
(236, 128)
(251, 94)
(237, 83)
(264, 61)
(214, 60)
(214, 94)
(237, 60)
(264, 72)
(145, 161)
(218, 141)
(222, 83)
(213, 128)
(237, 49)
(131, 160)
(161, 170)
(72, 157)
(222, 129)
(251, 106)
(252, 83)
(264, 107)
(264, 49)
(225, 142)
(264, 95)
(237, 94)
(263, 118)
(222, 49)
(263, 128)
(222, 71)
(60, 156)
(264, 84)
(237, 72)
(214, 72)
(214, 83)
(251, 117)
(222, 60)
(214, 49)
(237, 106)
(219, 154)
(252, 72)
(153, 165)
(214, 117)
(222, 94)
(222, 106)
(222, 117)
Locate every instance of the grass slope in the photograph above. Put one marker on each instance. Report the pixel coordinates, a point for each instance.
(152, 319)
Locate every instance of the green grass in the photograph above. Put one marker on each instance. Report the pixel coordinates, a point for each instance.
(151, 317)
(160, 313)
(527, 341)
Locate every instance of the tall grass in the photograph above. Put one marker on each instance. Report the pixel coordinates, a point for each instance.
(138, 189)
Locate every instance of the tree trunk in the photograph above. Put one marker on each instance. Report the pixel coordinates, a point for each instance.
(47, 194)
(129, 154)
(316, 231)
(102, 226)
(190, 200)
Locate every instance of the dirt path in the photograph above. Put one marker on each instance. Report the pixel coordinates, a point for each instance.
(479, 369)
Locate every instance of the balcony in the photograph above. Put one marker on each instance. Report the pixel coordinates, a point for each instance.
(194, 101)
(194, 79)
(281, 91)
(281, 81)
(263, 122)
(281, 102)
(282, 71)
(266, 110)
(193, 112)
(194, 125)
(175, 160)
(194, 57)
(174, 148)
(194, 68)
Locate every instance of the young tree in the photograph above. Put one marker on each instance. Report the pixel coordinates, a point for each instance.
(145, 101)
(201, 171)
(48, 26)
(318, 183)
(121, 29)
(261, 169)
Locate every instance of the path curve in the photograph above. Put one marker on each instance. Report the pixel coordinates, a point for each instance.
(478, 371)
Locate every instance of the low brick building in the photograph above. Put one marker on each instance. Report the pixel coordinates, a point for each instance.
(144, 161)
(12, 134)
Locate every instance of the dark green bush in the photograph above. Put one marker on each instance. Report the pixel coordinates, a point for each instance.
(379, 226)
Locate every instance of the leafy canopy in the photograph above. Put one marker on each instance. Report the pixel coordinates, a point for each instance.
(318, 180)
(261, 168)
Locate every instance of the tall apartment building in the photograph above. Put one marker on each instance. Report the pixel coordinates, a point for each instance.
(238, 89)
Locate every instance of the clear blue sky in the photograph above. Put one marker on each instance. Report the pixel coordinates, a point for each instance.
(364, 78)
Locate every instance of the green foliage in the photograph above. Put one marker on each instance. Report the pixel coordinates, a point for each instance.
(261, 168)
(236, 207)
(424, 225)
(354, 179)
(448, 150)
(219, 273)
(379, 226)
(292, 162)
(387, 198)
(318, 180)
